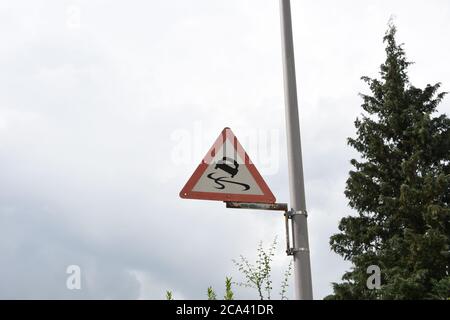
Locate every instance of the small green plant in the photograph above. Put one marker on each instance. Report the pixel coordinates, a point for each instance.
(228, 292)
(258, 275)
(285, 283)
(211, 294)
(169, 295)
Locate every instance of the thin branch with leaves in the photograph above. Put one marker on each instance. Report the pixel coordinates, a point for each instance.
(258, 275)
(285, 284)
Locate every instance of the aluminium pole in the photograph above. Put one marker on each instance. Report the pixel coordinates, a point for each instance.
(302, 266)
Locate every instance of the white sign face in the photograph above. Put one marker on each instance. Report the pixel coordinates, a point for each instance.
(227, 174)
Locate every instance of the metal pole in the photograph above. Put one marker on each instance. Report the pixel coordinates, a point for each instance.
(302, 266)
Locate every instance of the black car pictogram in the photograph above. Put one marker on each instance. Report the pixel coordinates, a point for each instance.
(225, 165)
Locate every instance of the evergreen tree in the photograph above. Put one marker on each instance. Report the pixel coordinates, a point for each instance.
(400, 189)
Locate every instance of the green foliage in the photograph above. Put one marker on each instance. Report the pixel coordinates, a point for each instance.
(228, 292)
(400, 189)
(211, 294)
(169, 295)
(285, 283)
(258, 275)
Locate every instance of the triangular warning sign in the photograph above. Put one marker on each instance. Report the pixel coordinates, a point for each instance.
(227, 174)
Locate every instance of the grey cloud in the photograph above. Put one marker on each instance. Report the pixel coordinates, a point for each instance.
(87, 117)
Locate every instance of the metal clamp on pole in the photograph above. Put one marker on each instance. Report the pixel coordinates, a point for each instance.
(292, 213)
(289, 214)
(288, 244)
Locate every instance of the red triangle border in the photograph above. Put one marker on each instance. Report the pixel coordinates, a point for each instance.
(187, 193)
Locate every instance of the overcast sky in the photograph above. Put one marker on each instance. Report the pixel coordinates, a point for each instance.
(107, 107)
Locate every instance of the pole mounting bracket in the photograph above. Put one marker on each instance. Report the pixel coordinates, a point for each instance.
(289, 214)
